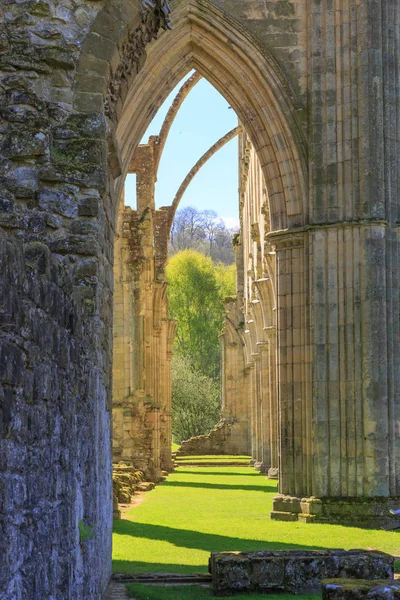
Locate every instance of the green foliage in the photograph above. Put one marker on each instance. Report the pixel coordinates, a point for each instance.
(226, 279)
(195, 400)
(196, 293)
(201, 509)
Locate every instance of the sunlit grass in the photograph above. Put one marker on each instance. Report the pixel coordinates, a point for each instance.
(211, 457)
(200, 509)
(175, 447)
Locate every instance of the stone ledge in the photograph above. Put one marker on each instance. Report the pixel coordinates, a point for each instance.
(293, 571)
(367, 512)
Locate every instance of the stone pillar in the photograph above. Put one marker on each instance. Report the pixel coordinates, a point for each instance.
(235, 404)
(338, 441)
(337, 279)
(142, 336)
(267, 345)
(293, 367)
(263, 390)
(270, 333)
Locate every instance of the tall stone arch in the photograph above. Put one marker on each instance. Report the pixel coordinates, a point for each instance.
(318, 95)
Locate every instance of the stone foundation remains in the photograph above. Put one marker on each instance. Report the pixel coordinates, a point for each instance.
(126, 480)
(358, 589)
(293, 571)
(315, 86)
(363, 512)
(217, 441)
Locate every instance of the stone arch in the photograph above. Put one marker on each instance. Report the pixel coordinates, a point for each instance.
(207, 39)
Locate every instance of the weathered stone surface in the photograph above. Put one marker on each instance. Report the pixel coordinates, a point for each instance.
(126, 480)
(356, 589)
(55, 310)
(293, 571)
(365, 512)
(57, 201)
(316, 87)
(142, 411)
(214, 442)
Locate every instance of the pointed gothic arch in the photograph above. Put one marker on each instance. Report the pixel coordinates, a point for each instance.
(205, 38)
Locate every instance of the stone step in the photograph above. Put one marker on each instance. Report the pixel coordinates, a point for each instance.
(277, 515)
(145, 486)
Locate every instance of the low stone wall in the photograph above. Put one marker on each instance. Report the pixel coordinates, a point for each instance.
(125, 481)
(214, 442)
(357, 589)
(293, 571)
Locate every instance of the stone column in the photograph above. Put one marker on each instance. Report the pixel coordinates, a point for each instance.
(270, 333)
(264, 392)
(269, 386)
(295, 474)
(354, 409)
(171, 327)
(235, 404)
(338, 406)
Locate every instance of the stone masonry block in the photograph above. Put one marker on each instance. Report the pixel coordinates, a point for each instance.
(357, 589)
(293, 571)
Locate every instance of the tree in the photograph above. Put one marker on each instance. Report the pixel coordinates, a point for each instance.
(196, 291)
(187, 229)
(203, 231)
(195, 400)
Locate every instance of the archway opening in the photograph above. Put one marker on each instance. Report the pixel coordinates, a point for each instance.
(271, 197)
(201, 275)
(252, 83)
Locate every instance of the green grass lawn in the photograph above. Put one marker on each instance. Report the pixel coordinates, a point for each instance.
(194, 592)
(175, 447)
(189, 460)
(213, 458)
(200, 509)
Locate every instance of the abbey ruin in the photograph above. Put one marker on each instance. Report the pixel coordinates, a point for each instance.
(311, 345)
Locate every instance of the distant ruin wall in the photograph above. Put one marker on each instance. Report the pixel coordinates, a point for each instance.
(224, 438)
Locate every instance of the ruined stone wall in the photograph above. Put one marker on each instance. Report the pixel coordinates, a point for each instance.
(315, 86)
(55, 303)
(259, 308)
(250, 394)
(143, 333)
(56, 247)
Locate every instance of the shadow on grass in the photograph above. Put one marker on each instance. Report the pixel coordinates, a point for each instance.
(213, 471)
(220, 486)
(132, 566)
(196, 592)
(210, 542)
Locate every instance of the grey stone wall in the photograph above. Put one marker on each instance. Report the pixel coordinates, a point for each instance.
(66, 72)
(54, 350)
(56, 252)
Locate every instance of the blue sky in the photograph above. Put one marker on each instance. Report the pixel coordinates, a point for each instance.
(204, 117)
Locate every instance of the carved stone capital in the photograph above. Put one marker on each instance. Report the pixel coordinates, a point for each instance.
(285, 240)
